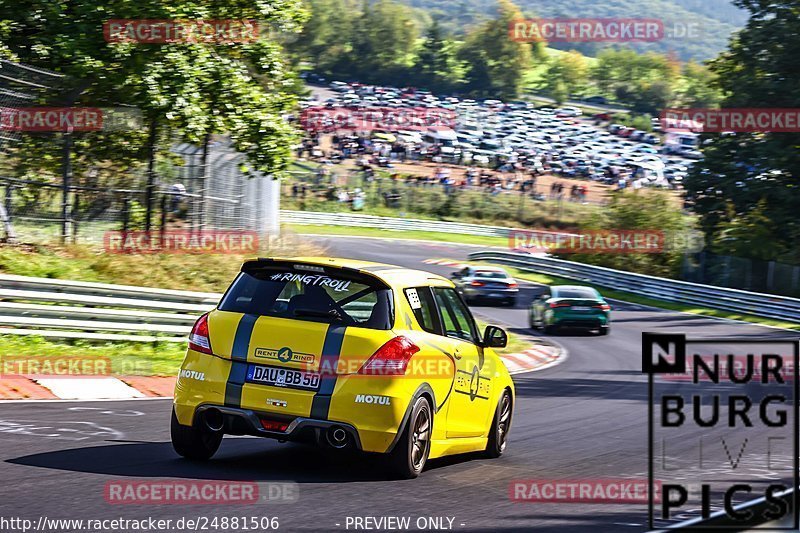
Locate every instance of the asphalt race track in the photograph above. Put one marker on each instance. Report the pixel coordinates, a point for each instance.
(586, 418)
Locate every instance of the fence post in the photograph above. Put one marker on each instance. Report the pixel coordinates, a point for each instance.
(163, 217)
(76, 204)
(5, 215)
(151, 175)
(65, 185)
(125, 214)
(770, 275)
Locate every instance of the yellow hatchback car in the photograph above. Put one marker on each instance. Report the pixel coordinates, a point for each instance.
(347, 354)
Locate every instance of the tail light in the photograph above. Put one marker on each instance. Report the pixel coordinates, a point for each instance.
(198, 338)
(602, 307)
(512, 285)
(553, 305)
(477, 284)
(391, 359)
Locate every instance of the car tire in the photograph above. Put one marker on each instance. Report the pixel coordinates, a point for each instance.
(550, 329)
(605, 330)
(194, 442)
(511, 302)
(410, 454)
(501, 424)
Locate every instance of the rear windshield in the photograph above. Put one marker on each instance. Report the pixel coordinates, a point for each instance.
(340, 298)
(576, 293)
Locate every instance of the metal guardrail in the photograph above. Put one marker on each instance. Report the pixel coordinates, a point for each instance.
(98, 311)
(397, 224)
(751, 303)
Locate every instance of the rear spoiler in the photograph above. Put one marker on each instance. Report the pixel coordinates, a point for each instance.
(356, 274)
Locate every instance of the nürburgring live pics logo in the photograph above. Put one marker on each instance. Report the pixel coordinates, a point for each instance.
(726, 433)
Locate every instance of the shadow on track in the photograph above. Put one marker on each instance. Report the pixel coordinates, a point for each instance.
(617, 389)
(239, 459)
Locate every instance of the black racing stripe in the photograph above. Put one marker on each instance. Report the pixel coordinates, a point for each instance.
(331, 349)
(241, 342)
(241, 345)
(233, 389)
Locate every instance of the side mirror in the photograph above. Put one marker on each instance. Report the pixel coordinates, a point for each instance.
(455, 274)
(545, 297)
(494, 337)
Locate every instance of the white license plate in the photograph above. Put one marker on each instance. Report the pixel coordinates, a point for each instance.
(581, 308)
(283, 377)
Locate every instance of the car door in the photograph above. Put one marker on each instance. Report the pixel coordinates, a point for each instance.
(469, 405)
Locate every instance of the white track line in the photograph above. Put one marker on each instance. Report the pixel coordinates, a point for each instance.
(89, 388)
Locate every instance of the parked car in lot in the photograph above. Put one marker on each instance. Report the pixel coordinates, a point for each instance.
(486, 283)
(570, 306)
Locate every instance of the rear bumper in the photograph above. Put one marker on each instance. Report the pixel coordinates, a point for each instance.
(588, 322)
(238, 421)
(491, 294)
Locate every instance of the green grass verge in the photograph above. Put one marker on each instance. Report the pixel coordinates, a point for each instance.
(516, 343)
(391, 234)
(89, 262)
(130, 358)
(126, 358)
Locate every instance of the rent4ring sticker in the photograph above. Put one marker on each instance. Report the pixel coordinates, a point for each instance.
(722, 430)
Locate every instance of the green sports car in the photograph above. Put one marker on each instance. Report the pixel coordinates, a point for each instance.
(570, 306)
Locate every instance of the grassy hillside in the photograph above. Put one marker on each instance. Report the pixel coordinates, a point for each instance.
(714, 20)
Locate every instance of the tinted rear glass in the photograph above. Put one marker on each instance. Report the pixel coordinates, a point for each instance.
(345, 299)
(576, 293)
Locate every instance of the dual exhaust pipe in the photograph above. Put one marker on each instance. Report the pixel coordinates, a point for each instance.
(336, 436)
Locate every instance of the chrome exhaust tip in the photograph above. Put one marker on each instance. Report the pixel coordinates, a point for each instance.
(213, 419)
(337, 437)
